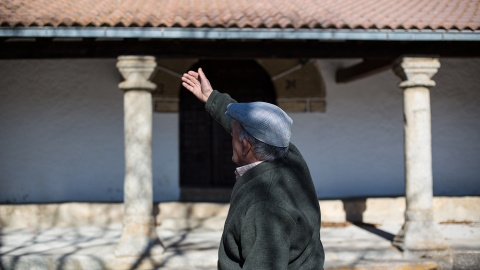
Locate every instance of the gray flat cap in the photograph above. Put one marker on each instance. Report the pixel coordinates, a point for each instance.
(264, 121)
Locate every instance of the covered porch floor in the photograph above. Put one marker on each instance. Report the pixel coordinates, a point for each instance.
(193, 244)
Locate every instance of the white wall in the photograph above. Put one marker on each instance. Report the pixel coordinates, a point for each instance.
(166, 167)
(456, 128)
(359, 140)
(61, 133)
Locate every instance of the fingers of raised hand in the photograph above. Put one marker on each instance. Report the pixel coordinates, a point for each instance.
(193, 73)
(205, 83)
(190, 80)
(187, 86)
(202, 75)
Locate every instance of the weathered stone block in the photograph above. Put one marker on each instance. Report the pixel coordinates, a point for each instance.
(293, 106)
(318, 106)
(166, 106)
(294, 78)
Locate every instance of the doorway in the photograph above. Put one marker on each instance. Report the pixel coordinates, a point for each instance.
(206, 167)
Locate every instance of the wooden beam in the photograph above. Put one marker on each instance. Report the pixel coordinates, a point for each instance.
(235, 49)
(364, 69)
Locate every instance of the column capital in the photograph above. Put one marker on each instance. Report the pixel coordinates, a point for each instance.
(136, 70)
(416, 71)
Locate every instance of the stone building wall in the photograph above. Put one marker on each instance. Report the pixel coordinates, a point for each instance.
(61, 129)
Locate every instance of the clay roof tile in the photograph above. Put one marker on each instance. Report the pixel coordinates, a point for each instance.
(391, 14)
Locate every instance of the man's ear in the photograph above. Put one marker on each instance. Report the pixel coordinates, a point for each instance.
(246, 147)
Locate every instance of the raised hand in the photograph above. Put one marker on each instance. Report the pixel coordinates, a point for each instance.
(198, 84)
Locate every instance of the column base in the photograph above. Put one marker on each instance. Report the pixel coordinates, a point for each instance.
(139, 238)
(420, 239)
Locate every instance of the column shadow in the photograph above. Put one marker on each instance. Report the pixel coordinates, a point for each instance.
(354, 209)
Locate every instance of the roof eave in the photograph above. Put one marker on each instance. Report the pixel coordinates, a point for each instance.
(241, 33)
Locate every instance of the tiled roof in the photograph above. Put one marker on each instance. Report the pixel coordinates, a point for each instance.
(319, 14)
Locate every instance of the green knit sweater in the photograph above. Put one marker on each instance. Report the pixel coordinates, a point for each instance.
(274, 216)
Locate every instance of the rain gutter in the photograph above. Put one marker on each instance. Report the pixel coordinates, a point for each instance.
(241, 33)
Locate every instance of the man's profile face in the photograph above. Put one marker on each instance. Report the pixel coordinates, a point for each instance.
(236, 144)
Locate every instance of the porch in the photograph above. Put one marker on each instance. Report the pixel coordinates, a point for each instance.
(85, 235)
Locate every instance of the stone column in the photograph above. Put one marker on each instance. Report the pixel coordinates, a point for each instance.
(418, 236)
(139, 237)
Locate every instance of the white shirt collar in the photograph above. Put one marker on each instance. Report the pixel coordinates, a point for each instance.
(239, 171)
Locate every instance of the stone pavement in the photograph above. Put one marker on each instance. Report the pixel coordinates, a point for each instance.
(347, 247)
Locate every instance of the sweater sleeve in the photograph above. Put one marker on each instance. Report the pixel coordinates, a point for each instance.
(266, 236)
(217, 106)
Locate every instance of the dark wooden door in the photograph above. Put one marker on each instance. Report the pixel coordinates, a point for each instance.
(205, 147)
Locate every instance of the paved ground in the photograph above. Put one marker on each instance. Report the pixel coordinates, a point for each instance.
(350, 247)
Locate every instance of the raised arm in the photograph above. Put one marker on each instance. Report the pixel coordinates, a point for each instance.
(216, 103)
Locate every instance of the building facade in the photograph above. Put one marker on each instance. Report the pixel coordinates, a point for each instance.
(62, 129)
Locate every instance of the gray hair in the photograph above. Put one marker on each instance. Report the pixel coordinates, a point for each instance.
(261, 150)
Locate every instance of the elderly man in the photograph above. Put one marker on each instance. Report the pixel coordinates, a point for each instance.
(274, 217)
